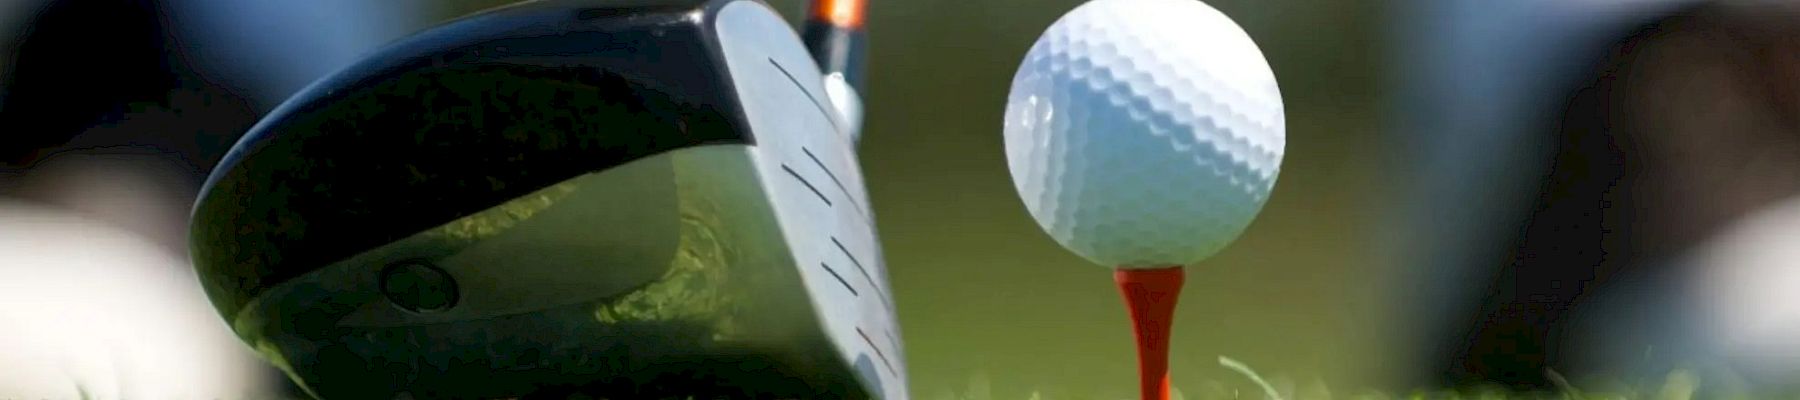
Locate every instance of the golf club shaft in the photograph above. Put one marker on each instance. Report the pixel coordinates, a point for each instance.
(835, 35)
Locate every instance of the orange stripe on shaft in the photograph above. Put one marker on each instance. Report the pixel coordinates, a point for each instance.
(1150, 296)
(846, 14)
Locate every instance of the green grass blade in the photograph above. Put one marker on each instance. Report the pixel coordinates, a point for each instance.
(1235, 365)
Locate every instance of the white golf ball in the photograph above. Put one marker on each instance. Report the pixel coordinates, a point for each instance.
(1144, 133)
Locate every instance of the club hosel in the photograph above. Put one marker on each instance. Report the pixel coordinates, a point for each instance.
(848, 104)
(837, 49)
(837, 39)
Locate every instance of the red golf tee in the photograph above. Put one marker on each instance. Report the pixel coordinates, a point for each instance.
(1150, 296)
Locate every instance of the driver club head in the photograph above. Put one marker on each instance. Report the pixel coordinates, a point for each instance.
(630, 199)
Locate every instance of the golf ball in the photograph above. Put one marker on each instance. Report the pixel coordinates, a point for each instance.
(1144, 133)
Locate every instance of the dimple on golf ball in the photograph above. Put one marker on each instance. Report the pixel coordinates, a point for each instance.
(1144, 133)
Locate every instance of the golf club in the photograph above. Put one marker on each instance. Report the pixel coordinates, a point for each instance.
(628, 198)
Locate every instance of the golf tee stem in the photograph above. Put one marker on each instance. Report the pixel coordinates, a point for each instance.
(1150, 296)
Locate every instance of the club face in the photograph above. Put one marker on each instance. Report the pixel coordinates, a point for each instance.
(616, 193)
(806, 164)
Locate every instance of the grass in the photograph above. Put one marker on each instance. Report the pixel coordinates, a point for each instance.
(1677, 385)
(1241, 368)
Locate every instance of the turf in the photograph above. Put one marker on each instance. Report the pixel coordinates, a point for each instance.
(1677, 385)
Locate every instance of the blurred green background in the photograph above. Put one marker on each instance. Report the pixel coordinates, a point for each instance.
(986, 299)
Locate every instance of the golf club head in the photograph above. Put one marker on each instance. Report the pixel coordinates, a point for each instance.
(629, 199)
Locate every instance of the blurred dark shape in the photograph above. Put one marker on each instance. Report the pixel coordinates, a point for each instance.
(106, 76)
(103, 114)
(100, 113)
(117, 109)
(1683, 125)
